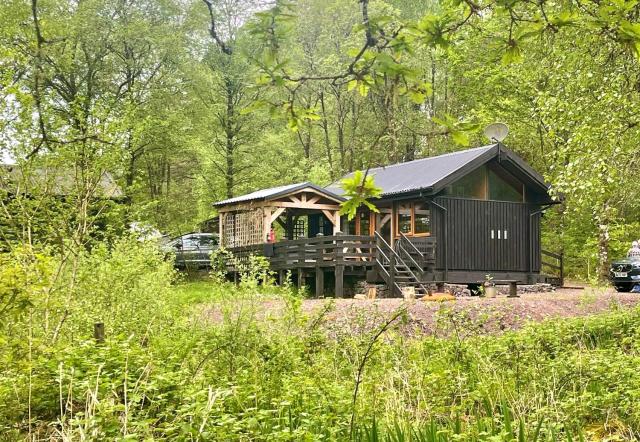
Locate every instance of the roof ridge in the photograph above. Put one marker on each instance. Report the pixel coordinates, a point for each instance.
(457, 152)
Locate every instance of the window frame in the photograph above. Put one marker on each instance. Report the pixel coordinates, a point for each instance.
(358, 226)
(412, 214)
(413, 219)
(502, 174)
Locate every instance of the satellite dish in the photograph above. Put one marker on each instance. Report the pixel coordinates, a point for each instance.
(496, 132)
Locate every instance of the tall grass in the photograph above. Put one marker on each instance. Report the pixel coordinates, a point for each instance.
(216, 366)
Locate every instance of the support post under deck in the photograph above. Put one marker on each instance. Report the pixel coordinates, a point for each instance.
(319, 282)
(339, 266)
(300, 278)
(339, 281)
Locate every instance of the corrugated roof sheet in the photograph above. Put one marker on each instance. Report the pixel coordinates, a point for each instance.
(273, 192)
(418, 174)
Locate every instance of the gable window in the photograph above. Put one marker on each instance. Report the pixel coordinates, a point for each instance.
(488, 183)
(413, 219)
(503, 186)
(473, 185)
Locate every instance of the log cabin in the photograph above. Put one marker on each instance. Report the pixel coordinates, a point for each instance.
(456, 218)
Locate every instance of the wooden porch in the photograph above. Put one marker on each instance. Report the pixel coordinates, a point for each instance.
(337, 254)
(409, 262)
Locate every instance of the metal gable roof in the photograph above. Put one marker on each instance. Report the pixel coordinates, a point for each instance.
(433, 173)
(274, 192)
(420, 174)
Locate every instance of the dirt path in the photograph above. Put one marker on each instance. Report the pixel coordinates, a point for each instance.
(482, 314)
(473, 314)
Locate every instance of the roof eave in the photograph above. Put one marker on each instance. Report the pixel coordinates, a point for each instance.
(282, 193)
(407, 194)
(301, 187)
(466, 169)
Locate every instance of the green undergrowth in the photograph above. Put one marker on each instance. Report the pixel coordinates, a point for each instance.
(161, 375)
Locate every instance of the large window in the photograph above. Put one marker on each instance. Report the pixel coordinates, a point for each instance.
(472, 185)
(403, 219)
(364, 219)
(504, 187)
(413, 219)
(361, 224)
(422, 219)
(488, 183)
(351, 226)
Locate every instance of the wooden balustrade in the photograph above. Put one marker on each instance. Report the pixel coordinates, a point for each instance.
(321, 251)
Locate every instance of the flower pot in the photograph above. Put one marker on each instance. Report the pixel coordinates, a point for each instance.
(490, 291)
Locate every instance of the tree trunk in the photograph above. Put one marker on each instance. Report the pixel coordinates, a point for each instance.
(603, 252)
(230, 140)
(327, 139)
(603, 243)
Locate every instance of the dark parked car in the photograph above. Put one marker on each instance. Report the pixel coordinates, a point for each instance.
(192, 250)
(625, 273)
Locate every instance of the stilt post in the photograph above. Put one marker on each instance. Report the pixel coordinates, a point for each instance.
(339, 268)
(319, 282)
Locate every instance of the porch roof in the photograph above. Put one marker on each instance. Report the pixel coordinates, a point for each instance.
(277, 192)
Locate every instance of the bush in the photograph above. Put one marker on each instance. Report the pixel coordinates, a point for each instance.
(24, 277)
(125, 286)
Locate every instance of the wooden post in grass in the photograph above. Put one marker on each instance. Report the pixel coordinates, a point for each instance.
(98, 332)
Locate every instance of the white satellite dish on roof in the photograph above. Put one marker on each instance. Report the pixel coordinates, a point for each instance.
(496, 132)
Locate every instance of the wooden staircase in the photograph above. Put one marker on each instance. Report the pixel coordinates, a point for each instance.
(402, 266)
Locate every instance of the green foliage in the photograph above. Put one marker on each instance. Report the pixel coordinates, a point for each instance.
(24, 277)
(358, 189)
(123, 284)
(251, 365)
(459, 130)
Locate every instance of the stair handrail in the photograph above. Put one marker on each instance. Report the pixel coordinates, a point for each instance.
(380, 239)
(384, 241)
(406, 253)
(415, 278)
(413, 246)
(422, 258)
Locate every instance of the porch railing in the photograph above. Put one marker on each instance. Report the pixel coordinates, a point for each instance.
(321, 251)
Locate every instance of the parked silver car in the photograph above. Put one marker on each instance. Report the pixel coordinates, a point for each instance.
(192, 250)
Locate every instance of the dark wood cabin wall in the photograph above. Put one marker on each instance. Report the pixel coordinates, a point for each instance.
(469, 225)
(536, 248)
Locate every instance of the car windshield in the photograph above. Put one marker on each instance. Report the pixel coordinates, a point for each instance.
(191, 241)
(207, 241)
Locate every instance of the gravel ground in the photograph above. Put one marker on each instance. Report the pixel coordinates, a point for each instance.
(472, 314)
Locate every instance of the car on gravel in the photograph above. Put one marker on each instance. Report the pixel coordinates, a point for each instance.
(625, 273)
(192, 250)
